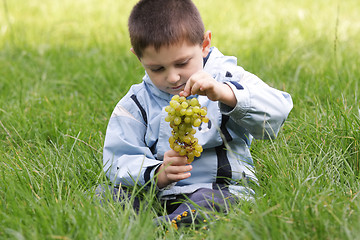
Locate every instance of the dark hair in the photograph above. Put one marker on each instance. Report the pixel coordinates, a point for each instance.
(164, 22)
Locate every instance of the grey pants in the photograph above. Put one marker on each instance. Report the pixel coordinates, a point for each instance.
(190, 207)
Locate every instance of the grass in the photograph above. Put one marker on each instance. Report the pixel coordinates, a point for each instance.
(65, 64)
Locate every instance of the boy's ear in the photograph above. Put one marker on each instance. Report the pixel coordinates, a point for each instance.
(132, 50)
(206, 43)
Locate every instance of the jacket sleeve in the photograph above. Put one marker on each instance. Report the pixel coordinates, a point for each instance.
(260, 108)
(126, 158)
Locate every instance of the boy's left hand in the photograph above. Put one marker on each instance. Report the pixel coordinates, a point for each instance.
(202, 83)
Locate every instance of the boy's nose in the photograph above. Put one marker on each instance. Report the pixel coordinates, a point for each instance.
(173, 77)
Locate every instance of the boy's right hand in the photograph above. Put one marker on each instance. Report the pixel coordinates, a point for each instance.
(202, 83)
(173, 169)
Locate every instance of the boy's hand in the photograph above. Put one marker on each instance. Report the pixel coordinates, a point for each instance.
(202, 83)
(173, 169)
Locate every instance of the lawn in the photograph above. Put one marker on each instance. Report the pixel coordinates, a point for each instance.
(65, 64)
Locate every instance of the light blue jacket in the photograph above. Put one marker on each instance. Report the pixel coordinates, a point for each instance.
(137, 134)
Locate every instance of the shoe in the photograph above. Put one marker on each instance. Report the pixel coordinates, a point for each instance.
(189, 217)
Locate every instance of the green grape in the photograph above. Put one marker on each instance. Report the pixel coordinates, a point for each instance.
(196, 109)
(183, 128)
(203, 111)
(177, 109)
(182, 115)
(205, 119)
(182, 111)
(189, 130)
(194, 102)
(189, 112)
(181, 132)
(177, 120)
(184, 105)
(171, 140)
(186, 119)
(167, 108)
(187, 139)
(197, 153)
(189, 149)
(168, 118)
(189, 160)
(175, 135)
(194, 140)
(177, 147)
(190, 156)
(182, 152)
(174, 104)
(175, 128)
(198, 148)
(197, 122)
(171, 111)
(175, 98)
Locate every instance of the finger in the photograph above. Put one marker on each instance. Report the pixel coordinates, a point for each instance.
(171, 156)
(174, 170)
(171, 153)
(196, 89)
(179, 161)
(177, 169)
(175, 161)
(178, 177)
(174, 157)
(187, 89)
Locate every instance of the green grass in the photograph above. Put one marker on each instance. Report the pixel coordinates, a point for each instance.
(65, 64)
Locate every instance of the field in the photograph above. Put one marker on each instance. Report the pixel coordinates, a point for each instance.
(65, 64)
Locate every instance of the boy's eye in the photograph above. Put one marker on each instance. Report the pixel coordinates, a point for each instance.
(157, 69)
(183, 63)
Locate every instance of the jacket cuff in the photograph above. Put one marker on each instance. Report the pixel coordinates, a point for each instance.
(154, 182)
(150, 173)
(243, 103)
(166, 187)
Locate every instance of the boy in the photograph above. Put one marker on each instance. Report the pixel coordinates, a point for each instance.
(169, 39)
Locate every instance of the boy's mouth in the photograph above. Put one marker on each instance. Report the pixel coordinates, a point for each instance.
(178, 87)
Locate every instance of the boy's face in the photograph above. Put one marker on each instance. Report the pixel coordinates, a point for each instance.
(171, 66)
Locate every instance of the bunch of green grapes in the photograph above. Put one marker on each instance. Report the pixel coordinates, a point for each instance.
(183, 115)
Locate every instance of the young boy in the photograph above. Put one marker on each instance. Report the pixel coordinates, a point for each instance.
(169, 39)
